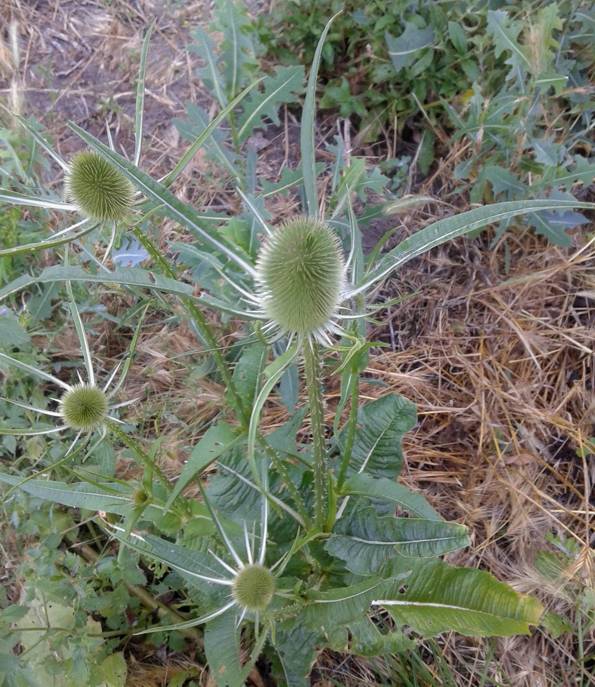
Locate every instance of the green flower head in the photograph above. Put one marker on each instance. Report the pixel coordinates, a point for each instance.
(254, 587)
(84, 407)
(300, 277)
(100, 190)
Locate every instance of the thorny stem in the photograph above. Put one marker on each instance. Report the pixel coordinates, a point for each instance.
(314, 388)
(200, 321)
(207, 333)
(279, 465)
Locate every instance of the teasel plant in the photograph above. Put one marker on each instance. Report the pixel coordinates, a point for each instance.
(84, 407)
(326, 561)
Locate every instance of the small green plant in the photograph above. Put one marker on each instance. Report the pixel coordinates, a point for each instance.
(295, 544)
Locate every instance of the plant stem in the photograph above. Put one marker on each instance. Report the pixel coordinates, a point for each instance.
(314, 388)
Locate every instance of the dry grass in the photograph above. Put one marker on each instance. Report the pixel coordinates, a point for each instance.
(494, 345)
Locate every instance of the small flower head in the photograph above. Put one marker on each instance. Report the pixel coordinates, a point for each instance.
(100, 190)
(84, 407)
(253, 587)
(300, 277)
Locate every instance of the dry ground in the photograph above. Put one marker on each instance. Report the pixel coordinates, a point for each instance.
(494, 344)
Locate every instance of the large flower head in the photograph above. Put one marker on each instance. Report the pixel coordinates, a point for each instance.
(95, 186)
(300, 276)
(84, 406)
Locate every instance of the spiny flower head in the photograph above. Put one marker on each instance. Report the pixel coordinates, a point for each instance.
(300, 276)
(84, 407)
(253, 587)
(99, 189)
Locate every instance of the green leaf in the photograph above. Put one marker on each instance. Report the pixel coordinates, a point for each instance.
(282, 87)
(297, 648)
(438, 598)
(222, 649)
(50, 242)
(329, 609)
(307, 139)
(365, 541)
(217, 440)
(205, 133)
(248, 372)
(76, 494)
(404, 50)
(210, 74)
(140, 95)
(13, 334)
(194, 566)
(505, 33)
(381, 425)
(389, 490)
(444, 230)
(113, 671)
(367, 640)
(132, 276)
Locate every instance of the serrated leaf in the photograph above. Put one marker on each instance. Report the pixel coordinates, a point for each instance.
(211, 72)
(405, 49)
(278, 89)
(381, 425)
(438, 598)
(217, 440)
(367, 640)
(505, 33)
(503, 180)
(13, 334)
(195, 126)
(297, 648)
(222, 649)
(554, 225)
(388, 490)
(364, 541)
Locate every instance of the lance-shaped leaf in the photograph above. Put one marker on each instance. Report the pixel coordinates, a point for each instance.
(365, 541)
(110, 498)
(126, 277)
(197, 568)
(388, 490)
(217, 440)
(464, 223)
(381, 425)
(326, 610)
(437, 598)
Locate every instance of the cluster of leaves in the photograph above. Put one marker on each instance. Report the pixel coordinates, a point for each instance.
(370, 544)
(511, 84)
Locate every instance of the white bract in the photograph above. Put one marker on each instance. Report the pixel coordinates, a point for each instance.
(84, 406)
(252, 585)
